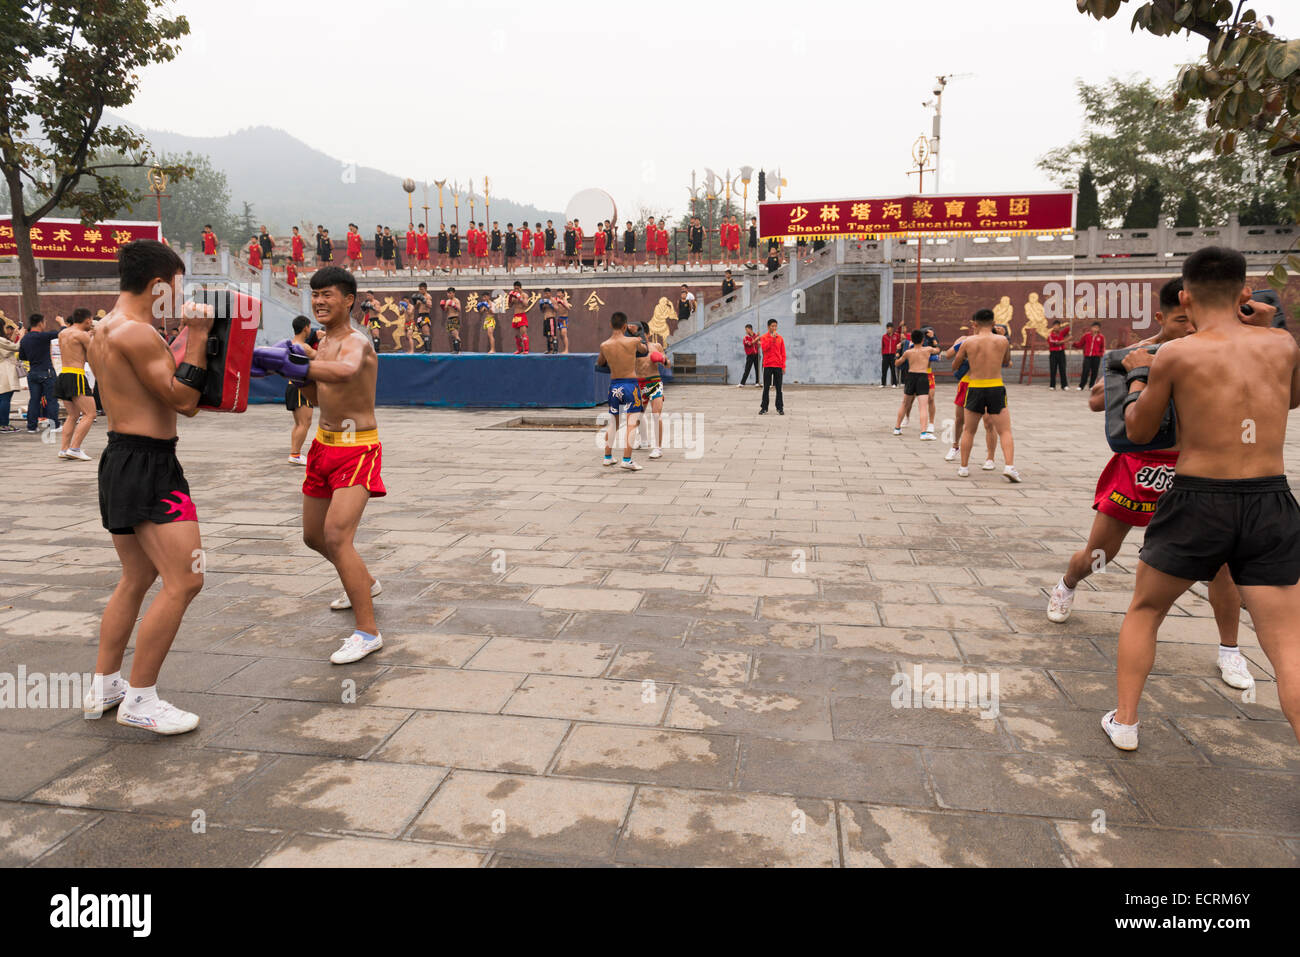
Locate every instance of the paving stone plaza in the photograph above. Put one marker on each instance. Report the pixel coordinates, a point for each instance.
(695, 664)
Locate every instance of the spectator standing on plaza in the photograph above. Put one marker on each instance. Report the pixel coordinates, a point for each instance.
(379, 247)
(750, 344)
(1056, 339)
(773, 347)
(728, 284)
(209, 241)
(34, 349)
(1093, 344)
(297, 250)
(651, 240)
(752, 253)
(354, 248)
(320, 248)
(412, 248)
(889, 343)
(9, 376)
(390, 251)
(326, 248)
(254, 253)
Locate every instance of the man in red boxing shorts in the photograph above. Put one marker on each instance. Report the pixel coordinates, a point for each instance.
(1127, 492)
(519, 306)
(345, 461)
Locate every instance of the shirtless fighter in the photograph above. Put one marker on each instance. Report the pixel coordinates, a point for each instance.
(519, 307)
(1130, 486)
(144, 500)
(71, 386)
(619, 353)
(988, 353)
(962, 373)
(546, 306)
(344, 461)
(450, 306)
(1232, 385)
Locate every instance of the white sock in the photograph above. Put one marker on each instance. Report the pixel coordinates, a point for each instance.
(1063, 586)
(1114, 723)
(141, 700)
(1229, 651)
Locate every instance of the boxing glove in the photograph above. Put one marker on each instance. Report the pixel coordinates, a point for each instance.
(1116, 380)
(281, 359)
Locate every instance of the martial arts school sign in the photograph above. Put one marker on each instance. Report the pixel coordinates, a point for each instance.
(69, 239)
(928, 214)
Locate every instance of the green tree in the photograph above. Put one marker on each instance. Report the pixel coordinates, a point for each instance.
(247, 226)
(1248, 82)
(1145, 209)
(1088, 210)
(1189, 210)
(62, 63)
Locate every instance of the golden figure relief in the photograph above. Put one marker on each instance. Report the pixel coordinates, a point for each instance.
(658, 326)
(1035, 319)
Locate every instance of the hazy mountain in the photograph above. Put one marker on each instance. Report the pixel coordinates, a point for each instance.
(288, 182)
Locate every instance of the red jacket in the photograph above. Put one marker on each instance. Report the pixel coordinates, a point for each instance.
(751, 344)
(889, 343)
(1093, 344)
(773, 351)
(1056, 340)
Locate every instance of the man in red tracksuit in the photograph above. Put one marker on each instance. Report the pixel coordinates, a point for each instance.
(1093, 344)
(750, 342)
(1056, 352)
(888, 351)
(773, 347)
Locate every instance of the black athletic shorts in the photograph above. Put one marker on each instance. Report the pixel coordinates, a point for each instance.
(1251, 525)
(986, 398)
(916, 383)
(69, 385)
(140, 480)
(294, 399)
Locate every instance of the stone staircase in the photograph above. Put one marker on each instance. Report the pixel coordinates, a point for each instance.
(686, 372)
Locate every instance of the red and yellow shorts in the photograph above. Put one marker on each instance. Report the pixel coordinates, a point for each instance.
(342, 460)
(931, 371)
(520, 319)
(1131, 484)
(960, 401)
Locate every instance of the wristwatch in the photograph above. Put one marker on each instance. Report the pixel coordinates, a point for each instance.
(192, 376)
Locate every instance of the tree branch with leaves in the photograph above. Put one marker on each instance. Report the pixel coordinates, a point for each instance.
(64, 64)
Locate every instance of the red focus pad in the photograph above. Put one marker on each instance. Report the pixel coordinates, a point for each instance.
(230, 348)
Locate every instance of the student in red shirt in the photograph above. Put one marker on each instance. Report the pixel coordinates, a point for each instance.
(410, 246)
(422, 247)
(750, 343)
(1093, 344)
(255, 253)
(888, 352)
(651, 240)
(525, 245)
(1056, 352)
(291, 274)
(773, 347)
(354, 247)
(539, 248)
(297, 249)
(598, 249)
(209, 241)
(661, 246)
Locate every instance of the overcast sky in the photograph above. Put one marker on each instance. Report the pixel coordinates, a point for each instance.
(549, 97)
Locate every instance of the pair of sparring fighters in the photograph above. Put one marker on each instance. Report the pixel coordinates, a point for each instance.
(635, 386)
(1218, 509)
(143, 495)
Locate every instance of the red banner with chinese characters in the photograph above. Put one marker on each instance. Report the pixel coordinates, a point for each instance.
(69, 239)
(934, 214)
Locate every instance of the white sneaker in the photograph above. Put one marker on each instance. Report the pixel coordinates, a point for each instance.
(298, 459)
(1060, 602)
(344, 603)
(165, 718)
(608, 461)
(631, 466)
(898, 431)
(928, 436)
(1011, 474)
(1124, 738)
(93, 706)
(63, 453)
(656, 453)
(76, 454)
(963, 471)
(952, 455)
(989, 465)
(355, 647)
(1234, 672)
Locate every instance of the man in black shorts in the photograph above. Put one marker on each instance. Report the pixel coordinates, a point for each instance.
(916, 383)
(305, 337)
(423, 303)
(695, 241)
(144, 500)
(986, 396)
(1232, 386)
(549, 235)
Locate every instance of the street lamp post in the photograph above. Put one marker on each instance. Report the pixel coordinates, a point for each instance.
(921, 154)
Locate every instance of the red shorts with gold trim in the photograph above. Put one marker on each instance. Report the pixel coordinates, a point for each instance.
(342, 460)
